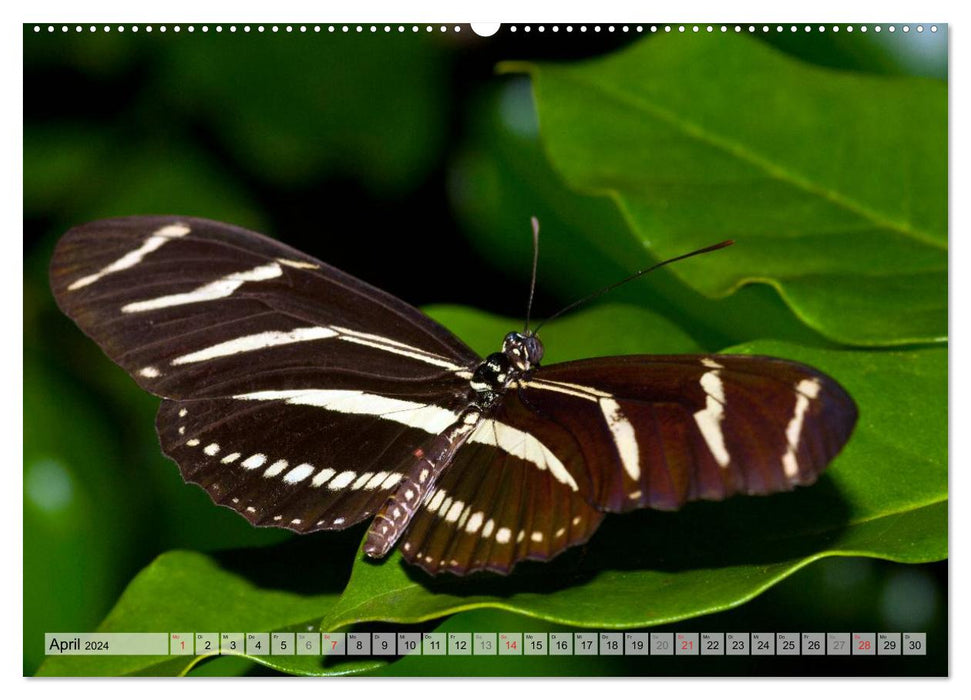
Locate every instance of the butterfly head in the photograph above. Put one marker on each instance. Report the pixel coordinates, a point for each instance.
(524, 350)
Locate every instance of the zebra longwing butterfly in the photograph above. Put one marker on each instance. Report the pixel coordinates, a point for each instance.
(306, 399)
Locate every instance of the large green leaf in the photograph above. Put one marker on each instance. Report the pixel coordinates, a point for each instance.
(833, 184)
(502, 177)
(885, 496)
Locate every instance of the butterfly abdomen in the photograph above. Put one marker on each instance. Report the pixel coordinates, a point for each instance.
(426, 465)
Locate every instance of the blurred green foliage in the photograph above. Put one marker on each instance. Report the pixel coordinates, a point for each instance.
(368, 151)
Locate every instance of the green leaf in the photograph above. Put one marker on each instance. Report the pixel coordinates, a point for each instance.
(885, 496)
(833, 184)
(502, 177)
(284, 588)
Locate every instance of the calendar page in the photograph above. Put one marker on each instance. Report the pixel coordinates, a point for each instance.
(346, 350)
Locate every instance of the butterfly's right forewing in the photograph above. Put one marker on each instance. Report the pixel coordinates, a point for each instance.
(659, 431)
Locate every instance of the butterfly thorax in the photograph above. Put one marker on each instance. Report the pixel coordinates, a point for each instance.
(490, 379)
(520, 354)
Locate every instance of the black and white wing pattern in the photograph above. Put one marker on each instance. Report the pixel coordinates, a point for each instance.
(495, 507)
(304, 398)
(293, 392)
(657, 431)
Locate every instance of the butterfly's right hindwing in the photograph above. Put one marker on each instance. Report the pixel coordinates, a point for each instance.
(492, 509)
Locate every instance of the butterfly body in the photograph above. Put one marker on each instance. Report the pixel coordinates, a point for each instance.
(489, 382)
(304, 398)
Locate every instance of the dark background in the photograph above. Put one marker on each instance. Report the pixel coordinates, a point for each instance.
(375, 152)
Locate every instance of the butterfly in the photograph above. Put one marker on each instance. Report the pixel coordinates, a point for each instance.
(304, 398)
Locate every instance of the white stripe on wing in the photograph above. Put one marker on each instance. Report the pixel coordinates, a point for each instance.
(132, 258)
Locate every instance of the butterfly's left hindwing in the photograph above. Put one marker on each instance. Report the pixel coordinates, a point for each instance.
(288, 465)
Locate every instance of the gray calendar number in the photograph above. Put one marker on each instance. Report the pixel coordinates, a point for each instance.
(737, 643)
(763, 644)
(561, 643)
(308, 643)
(258, 643)
(485, 644)
(409, 643)
(231, 643)
(813, 643)
(611, 644)
(686, 644)
(433, 644)
(207, 643)
(333, 644)
(459, 643)
(383, 644)
(662, 644)
(585, 644)
(535, 643)
(283, 643)
(888, 644)
(787, 643)
(915, 644)
(637, 644)
(712, 643)
(838, 643)
(358, 643)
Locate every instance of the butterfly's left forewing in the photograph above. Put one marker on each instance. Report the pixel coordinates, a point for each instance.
(294, 392)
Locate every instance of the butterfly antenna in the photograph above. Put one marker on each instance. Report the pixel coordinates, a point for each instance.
(639, 273)
(532, 284)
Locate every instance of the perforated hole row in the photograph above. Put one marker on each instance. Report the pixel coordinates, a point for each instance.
(488, 30)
